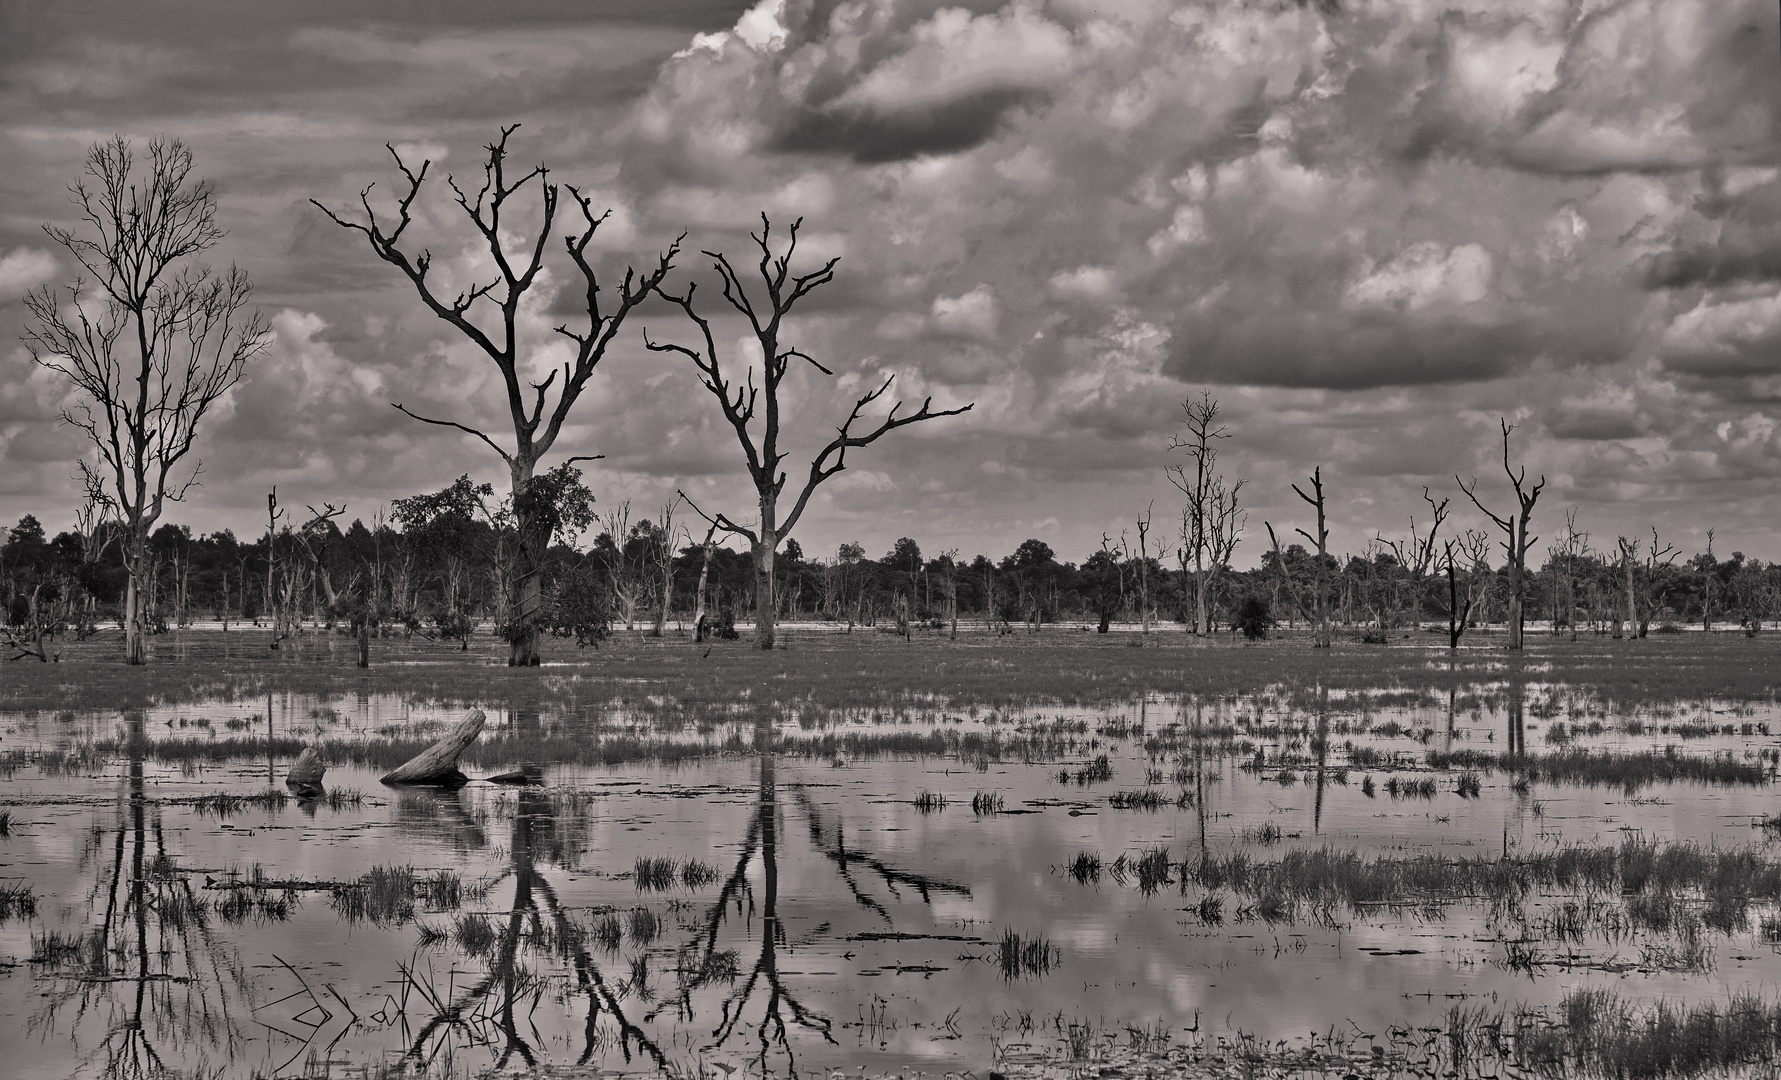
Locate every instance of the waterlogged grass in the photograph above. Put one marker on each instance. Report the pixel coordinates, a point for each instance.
(1026, 956)
(1719, 884)
(17, 901)
(1628, 771)
(832, 670)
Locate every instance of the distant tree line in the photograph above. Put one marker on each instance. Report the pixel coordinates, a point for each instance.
(433, 568)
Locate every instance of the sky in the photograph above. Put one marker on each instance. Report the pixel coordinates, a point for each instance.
(1372, 230)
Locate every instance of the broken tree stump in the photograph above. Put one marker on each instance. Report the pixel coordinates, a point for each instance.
(305, 775)
(437, 765)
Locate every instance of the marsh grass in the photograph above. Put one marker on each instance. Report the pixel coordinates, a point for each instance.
(5, 822)
(473, 933)
(1628, 771)
(654, 874)
(1023, 957)
(831, 670)
(1143, 799)
(17, 901)
(226, 804)
(643, 926)
(384, 897)
(1605, 1034)
(929, 802)
(1406, 788)
(608, 931)
(986, 803)
(1085, 868)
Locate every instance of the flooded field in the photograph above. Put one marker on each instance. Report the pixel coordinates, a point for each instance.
(1471, 866)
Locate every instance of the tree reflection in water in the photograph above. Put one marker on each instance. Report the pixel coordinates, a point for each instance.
(489, 1012)
(148, 970)
(702, 964)
(535, 933)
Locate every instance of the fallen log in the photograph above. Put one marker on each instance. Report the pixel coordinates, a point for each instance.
(529, 773)
(305, 775)
(437, 765)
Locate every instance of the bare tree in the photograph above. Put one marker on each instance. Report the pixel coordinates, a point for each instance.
(1516, 540)
(743, 404)
(534, 431)
(152, 347)
(1416, 554)
(1319, 610)
(704, 576)
(1564, 556)
(1642, 599)
(1464, 561)
(663, 553)
(1143, 526)
(1210, 520)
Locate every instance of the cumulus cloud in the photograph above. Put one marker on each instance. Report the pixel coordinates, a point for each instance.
(1372, 227)
(23, 269)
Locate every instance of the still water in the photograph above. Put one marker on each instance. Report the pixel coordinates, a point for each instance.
(781, 911)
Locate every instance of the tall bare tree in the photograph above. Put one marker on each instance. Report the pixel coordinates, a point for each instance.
(1516, 540)
(1319, 609)
(535, 431)
(149, 338)
(1211, 521)
(744, 404)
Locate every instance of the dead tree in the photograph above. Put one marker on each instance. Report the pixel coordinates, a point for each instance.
(152, 347)
(1143, 525)
(664, 566)
(743, 404)
(1563, 556)
(1516, 540)
(704, 576)
(1463, 560)
(1416, 554)
(1210, 520)
(1320, 604)
(1638, 616)
(534, 431)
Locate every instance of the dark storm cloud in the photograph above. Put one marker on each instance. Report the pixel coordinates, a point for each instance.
(870, 137)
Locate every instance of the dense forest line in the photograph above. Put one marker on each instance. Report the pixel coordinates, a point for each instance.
(433, 568)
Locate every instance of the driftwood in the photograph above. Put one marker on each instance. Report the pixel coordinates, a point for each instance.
(305, 775)
(437, 765)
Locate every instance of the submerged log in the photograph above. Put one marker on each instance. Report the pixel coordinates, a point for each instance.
(437, 765)
(529, 773)
(305, 775)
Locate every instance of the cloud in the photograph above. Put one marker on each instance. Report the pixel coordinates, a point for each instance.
(1372, 228)
(23, 269)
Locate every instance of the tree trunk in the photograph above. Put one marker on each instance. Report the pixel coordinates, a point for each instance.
(764, 610)
(1514, 615)
(1199, 600)
(438, 764)
(528, 600)
(365, 640)
(135, 648)
(699, 601)
(1632, 604)
(305, 774)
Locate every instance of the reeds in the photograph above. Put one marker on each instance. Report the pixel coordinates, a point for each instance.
(227, 804)
(1026, 957)
(1143, 799)
(1605, 1034)
(1085, 867)
(1628, 771)
(384, 896)
(986, 803)
(929, 802)
(17, 901)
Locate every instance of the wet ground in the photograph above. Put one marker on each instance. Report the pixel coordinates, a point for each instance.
(770, 908)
